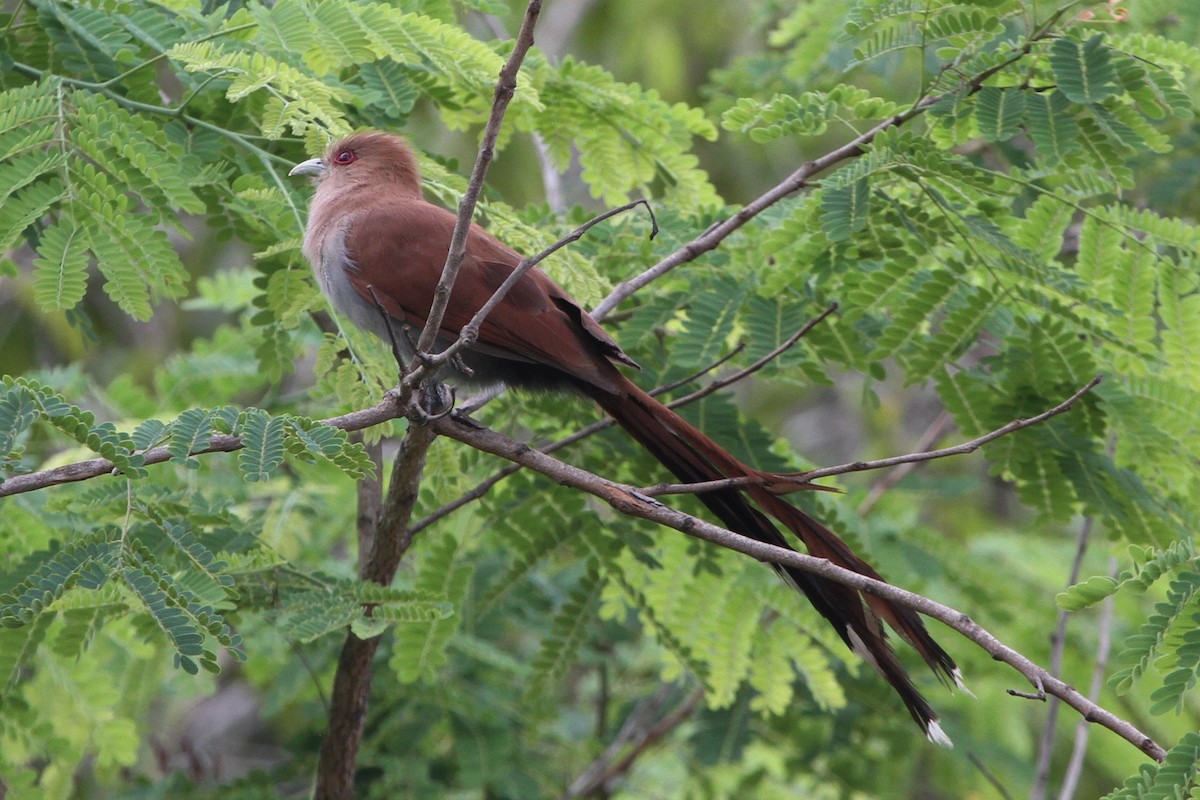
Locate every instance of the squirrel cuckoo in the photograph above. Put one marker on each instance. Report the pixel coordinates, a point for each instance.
(376, 245)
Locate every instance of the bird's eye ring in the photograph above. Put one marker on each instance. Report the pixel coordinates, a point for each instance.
(345, 157)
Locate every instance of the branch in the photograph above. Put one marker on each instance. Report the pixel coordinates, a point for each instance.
(470, 332)
(631, 502)
(383, 411)
(639, 735)
(505, 87)
(959, 449)
(338, 759)
(803, 479)
(482, 488)
(1058, 643)
(717, 233)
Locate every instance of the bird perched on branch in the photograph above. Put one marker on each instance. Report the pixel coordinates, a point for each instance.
(378, 249)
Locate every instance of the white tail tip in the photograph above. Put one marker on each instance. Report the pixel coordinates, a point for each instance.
(960, 683)
(938, 736)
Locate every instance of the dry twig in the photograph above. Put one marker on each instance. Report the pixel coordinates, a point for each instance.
(802, 479)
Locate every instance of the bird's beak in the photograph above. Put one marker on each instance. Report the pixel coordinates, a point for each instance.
(314, 166)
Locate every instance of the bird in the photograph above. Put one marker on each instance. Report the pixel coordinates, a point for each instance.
(378, 247)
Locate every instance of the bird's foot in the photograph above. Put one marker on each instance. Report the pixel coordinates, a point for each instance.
(434, 401)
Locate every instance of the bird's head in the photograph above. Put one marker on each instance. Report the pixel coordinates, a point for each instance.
(372, 159)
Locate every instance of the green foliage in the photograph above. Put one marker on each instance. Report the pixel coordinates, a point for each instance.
(1172, 778)
(419, 651)
(1021, 219)
(807, 115)
(1083, 70)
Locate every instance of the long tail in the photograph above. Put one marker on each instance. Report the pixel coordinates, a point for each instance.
(693, 458)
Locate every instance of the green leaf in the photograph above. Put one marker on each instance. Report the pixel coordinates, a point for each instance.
(1051, 126)
(60, 270)
(1084, 70)
(1000, 113)
(560, 649)
(1087, 593)
(419, 650)
(262, 444)
(844, 209)
(710, 321)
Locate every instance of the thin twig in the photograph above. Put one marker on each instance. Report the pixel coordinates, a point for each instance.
(505, 88)
(803, 479)
(1103, 649)
(469, 333)
(711, 238)
(482, 488)
(928, 439)
(1058, 643)
(636, 734)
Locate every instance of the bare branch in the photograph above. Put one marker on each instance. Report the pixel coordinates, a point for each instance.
(960, 449)
(470, 332)
(636, 736)
(717, 233)
(1058, 643)
(804, 479)
(632, 502)
(1103, 648)
(505, 87)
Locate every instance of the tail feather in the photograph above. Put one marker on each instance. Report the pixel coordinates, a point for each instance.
(694, 458)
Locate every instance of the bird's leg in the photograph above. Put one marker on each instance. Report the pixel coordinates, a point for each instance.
(387, 323)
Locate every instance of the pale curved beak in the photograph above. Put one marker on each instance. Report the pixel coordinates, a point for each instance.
(314, 166)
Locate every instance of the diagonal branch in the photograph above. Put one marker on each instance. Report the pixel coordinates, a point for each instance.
(632, 502)
(482, 488)
(803, 479)
(637, 735)
(800, 179)
(505, 88)
(470, 332)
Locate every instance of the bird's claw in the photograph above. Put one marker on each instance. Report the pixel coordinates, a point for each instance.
(435, 401)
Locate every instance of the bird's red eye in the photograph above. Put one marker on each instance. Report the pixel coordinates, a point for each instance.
(345, 157)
